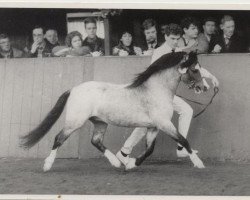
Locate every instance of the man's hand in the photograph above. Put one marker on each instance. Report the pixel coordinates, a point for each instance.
(96, 53)
(217, 49)
(138, 51)
(148, 52)
(215, 81)
(123, 53)
(34, 47)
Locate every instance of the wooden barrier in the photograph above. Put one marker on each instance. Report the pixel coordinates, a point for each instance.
(30, 87)
(28, 90)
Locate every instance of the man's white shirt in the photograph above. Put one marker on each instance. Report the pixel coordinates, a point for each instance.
(160, 51)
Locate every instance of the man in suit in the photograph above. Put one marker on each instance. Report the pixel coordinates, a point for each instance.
(209, 27)
(39, 47)
(228, 41)
(95, 43)
(51, 38)
(6, 49)
(151, 41)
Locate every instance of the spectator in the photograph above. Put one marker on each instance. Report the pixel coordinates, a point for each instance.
(74, 46)
(51, 38)
(95, 43)
(209, 26)
(228, 41)
(161, 36)
(126, 46)
(189, 39)
(163, 28)
(150, 32)
(6, 50)
(39, 47)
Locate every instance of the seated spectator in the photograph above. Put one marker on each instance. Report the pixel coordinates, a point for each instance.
(150, 32)
(74, 46)
(228, 41)
(51, 38)
(6, 50)
(95, 43)
(125, 46)
(39, 47)
(189, 40)
(209, 26)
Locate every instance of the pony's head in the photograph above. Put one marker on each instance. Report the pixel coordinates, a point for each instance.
(191, 73)
(187, 65)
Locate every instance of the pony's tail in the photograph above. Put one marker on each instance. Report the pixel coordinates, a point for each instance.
(37, 134)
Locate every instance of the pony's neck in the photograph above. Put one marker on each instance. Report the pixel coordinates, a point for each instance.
(167, 80)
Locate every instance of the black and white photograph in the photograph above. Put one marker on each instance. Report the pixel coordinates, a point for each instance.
(121, 100)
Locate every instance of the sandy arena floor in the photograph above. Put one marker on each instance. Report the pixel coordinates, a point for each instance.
(96, 176)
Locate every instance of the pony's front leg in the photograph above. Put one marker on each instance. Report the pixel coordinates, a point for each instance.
(97, 140)
(150, 144)
(169, 128)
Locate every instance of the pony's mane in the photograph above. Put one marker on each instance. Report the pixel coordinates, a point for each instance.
(164, 62)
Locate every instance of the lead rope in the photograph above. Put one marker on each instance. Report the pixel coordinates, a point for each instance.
(216, 90)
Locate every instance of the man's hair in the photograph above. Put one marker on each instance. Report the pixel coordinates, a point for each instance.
(70, 36)
(226, 18)
(38, 27)
(3, 36)
(186, 22)
(89, 20)
(208, 19)
(173, 29)
(51, 29)
(149, 23)
(124, 32)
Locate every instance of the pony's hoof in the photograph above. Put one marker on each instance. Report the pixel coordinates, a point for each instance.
(131, 164)
(47, 166)
(196, 161)
(122, 159)
(116, 163)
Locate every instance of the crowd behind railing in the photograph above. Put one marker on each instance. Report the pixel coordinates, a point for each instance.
(185, 36)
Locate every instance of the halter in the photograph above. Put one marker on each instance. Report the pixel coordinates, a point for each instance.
(216, 90)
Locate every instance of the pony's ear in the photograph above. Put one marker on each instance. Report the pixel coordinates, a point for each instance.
(182, 70)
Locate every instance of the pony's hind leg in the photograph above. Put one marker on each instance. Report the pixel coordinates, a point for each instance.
(169, 128)
(150, 144)
(60, 138)
(97, 140)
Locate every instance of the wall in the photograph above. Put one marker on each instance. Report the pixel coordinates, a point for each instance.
(28, 90)
(30, 87)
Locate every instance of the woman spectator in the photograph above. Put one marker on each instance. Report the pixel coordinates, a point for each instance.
(74, 46)
(125, 46)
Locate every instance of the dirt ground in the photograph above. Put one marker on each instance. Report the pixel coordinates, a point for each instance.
(96, 176)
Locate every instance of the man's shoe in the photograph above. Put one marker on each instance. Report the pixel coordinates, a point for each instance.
(123, 159)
